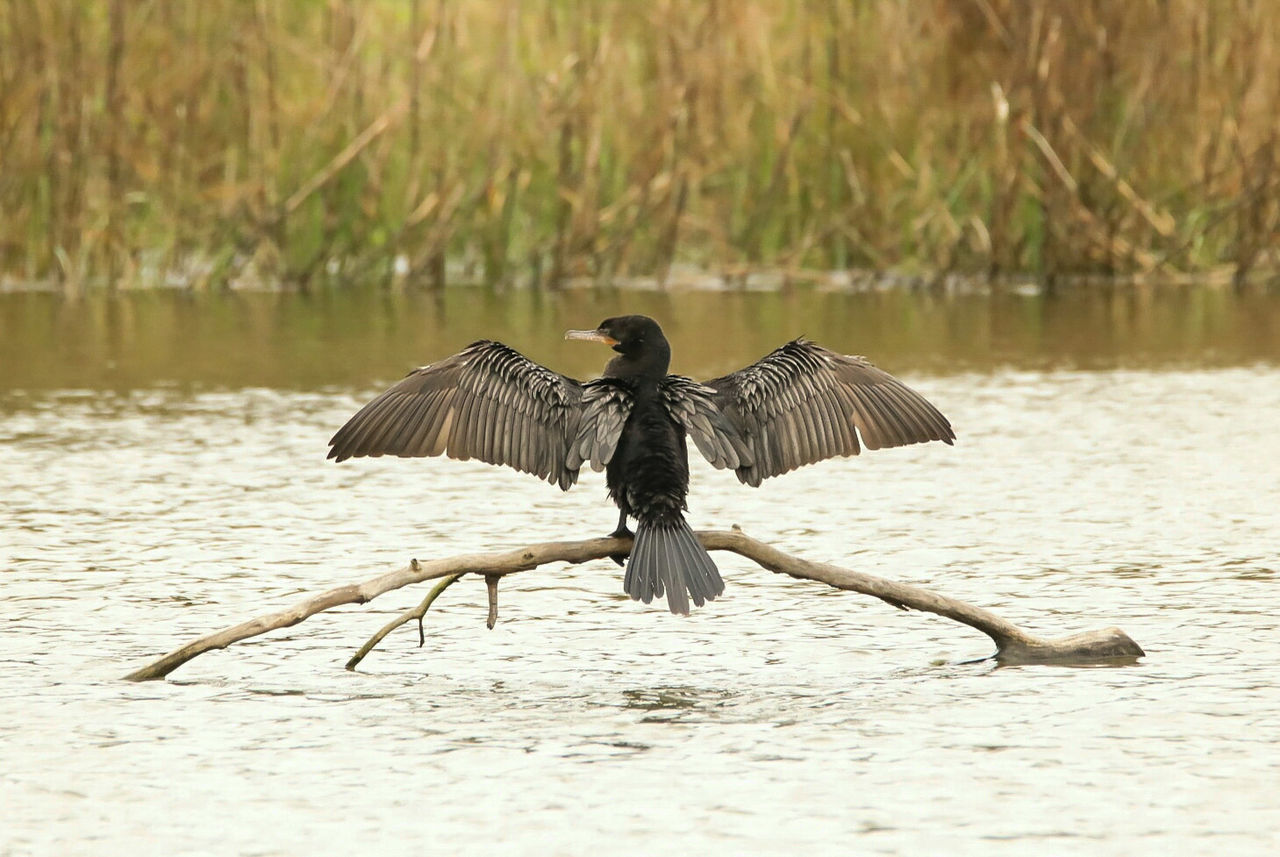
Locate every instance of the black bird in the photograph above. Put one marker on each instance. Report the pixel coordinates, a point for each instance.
(798, 405)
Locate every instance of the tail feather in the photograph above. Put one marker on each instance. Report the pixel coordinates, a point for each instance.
(667, 557)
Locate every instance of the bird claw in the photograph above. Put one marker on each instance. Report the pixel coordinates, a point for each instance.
(623, 532)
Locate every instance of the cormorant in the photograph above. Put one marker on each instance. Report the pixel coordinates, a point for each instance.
(795, 406)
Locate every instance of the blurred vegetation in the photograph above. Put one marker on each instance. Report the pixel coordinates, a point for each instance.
(236, 141)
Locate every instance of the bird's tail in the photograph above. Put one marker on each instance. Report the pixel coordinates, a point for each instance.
(668, 557)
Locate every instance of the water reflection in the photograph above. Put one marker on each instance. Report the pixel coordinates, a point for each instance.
(671, 698)
(338, 339)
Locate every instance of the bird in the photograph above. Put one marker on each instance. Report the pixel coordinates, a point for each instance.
(799, 404)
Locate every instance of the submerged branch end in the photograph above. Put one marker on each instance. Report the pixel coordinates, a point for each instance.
(421, 609)
(491, 585)
(1110, 645)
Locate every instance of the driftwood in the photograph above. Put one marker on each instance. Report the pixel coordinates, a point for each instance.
(1013, 645)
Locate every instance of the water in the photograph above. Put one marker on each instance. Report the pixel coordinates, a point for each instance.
(1121, 471)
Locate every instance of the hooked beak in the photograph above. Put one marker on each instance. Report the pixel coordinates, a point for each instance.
(590, 336)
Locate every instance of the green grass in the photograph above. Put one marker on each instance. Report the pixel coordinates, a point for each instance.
(298, 142)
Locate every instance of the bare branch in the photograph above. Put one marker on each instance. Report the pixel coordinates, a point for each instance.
(491, 584)
(1012, 643)
(409, 615)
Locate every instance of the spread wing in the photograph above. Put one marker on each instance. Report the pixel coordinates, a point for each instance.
(802, 403)
(694, 407)
(487, 401)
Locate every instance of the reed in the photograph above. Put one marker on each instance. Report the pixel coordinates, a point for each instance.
(297, 143)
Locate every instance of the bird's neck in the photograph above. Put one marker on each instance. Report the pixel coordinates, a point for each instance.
(649, 363)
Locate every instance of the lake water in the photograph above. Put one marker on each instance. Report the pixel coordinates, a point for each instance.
(1118, 463)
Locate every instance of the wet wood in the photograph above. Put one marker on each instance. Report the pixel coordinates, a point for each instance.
(1013, 644)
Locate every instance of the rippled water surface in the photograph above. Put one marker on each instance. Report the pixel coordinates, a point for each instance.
(165, 478)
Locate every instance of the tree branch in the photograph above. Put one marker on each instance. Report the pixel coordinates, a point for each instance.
(408, 616)
(1013, 645)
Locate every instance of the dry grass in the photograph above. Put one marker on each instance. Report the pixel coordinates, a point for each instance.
(299, 142)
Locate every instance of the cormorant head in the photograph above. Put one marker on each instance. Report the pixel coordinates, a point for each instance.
(639, 341)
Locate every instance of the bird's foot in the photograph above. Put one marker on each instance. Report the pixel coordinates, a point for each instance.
(623, 532)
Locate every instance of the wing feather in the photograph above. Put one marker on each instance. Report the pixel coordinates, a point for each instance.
(606, 406)
(840, 423)
(411, 417)
(463, 437)
(488, 432)
(890, 419)
(693, 406)
(803, 403)
(375, 422)
(867, 422)
(524, 459)
(423, 434)
(487, 401)
(507, 436)
(830, 443)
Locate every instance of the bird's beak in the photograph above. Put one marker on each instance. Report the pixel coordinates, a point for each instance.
(590, 336)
